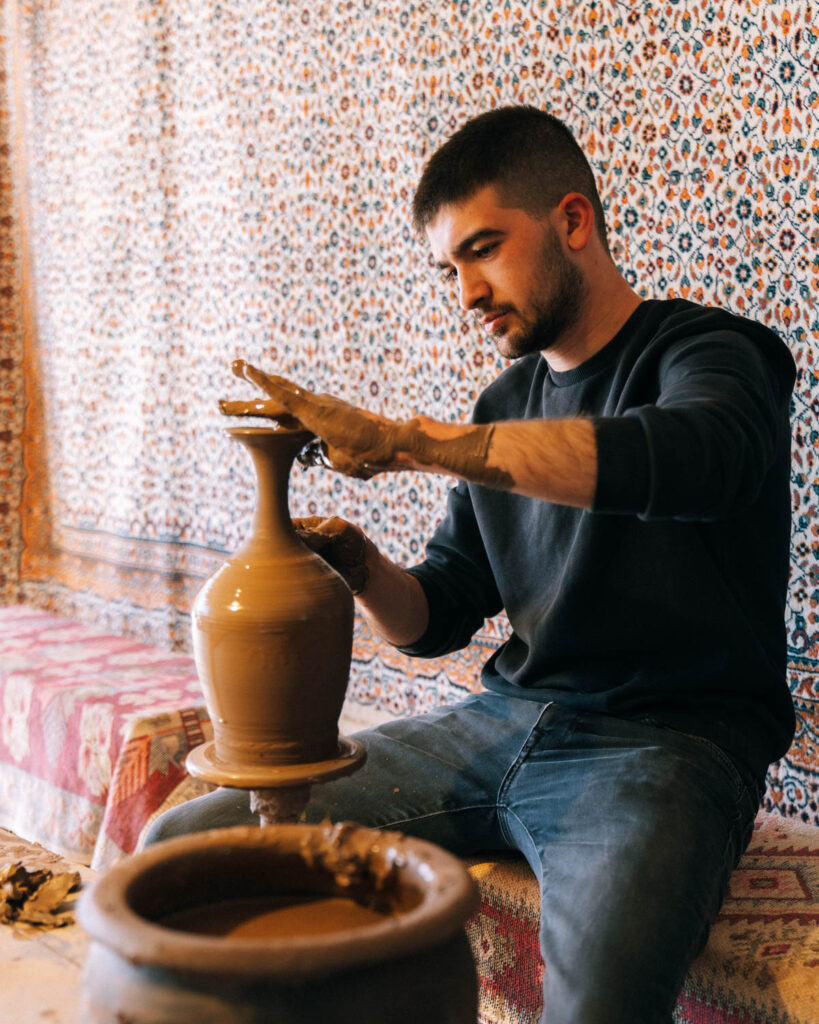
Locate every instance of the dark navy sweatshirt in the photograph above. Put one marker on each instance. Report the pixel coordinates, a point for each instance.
(664, 602)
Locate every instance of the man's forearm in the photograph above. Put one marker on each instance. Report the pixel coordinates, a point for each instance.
(555, 460)
(393, 602)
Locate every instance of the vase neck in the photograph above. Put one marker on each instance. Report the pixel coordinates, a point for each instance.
(272, 452)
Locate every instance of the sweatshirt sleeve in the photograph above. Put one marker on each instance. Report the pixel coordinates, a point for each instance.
(702, 449)
(457, 580)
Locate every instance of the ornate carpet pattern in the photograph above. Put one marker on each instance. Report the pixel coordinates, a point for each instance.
(760, 965)
(211, 180)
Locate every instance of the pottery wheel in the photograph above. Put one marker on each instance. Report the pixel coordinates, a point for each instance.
(203, 763)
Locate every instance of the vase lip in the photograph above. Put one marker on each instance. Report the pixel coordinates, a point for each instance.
(271, 431)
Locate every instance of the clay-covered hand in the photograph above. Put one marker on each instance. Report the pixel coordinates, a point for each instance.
(341, 544)
(264, 407)
(354, 441)
(361, 444)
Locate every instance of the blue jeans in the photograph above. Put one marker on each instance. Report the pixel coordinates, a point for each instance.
(631, 829)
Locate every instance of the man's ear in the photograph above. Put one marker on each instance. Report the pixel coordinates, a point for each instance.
(576, 218)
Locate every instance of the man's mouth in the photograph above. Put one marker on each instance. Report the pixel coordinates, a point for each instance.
(494, 320)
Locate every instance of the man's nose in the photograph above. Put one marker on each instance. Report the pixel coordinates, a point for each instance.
(473, 288)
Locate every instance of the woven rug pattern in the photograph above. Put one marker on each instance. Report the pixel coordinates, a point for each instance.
(760, 965)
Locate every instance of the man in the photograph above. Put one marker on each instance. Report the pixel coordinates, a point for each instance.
(624, 495)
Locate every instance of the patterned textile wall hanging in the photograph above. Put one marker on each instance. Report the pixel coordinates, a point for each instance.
(211, 180)
(12, 395)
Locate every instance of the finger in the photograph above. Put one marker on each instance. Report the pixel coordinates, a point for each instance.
(310, 535)
(320, 534)
(241, 368)
(263, 407)
(308, 522)
(279, 388)
(327, 526)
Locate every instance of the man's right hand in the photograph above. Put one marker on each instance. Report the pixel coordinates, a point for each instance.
(341, 544)
(390, 600)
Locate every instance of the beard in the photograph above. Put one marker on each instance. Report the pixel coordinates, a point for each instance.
(560, 289)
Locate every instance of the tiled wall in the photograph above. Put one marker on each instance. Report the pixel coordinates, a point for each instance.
(210, 180)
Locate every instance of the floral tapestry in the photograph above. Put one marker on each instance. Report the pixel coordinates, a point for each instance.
(209, 180)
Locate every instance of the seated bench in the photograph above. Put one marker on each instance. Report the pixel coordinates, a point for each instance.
(760, 965)
(94, 732)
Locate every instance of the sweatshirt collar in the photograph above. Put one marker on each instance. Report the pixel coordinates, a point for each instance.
(604, 356)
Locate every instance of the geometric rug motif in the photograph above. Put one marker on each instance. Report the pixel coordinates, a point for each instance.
(760, 964)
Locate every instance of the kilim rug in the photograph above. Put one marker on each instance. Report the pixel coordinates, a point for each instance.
(760, 966)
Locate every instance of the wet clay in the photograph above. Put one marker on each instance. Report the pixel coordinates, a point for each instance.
(35, 897)
(340, 544)
(257, 924)
(349, 854)
(272, 634)
(464, 455)
(273, 916)
(361, 444)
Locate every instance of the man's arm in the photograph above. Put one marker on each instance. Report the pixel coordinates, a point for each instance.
(392, 601)
(554, 460)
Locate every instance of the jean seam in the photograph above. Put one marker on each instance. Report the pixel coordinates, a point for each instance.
(436, 814)
(516, 845)
(512, 771)
(728, 866)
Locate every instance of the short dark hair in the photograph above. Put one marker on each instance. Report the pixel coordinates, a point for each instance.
(531, 156)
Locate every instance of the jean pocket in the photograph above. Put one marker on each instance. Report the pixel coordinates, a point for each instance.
(740, 783)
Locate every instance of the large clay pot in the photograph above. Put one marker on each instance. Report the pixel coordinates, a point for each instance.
(272, 636)
(411, 963)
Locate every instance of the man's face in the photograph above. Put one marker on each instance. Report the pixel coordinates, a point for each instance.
(510, 269)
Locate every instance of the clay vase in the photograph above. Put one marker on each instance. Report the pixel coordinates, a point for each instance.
(165, 944)
(272, 634)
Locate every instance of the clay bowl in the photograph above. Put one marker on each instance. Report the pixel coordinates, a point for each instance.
(404, 958)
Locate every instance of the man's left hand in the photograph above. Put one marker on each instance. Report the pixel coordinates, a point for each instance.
(354, 441)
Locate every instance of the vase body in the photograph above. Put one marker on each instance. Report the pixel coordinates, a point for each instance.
(413, 965)
(272, 630)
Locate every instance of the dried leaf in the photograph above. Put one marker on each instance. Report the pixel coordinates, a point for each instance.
(47, 918)
(34, 897)
(51, 893)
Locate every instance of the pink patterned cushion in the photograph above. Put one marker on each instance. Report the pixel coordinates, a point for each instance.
(94, 730)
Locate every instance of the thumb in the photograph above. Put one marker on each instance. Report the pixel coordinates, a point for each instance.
(341, 544)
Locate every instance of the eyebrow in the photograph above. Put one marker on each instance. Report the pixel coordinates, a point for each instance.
(468, 242)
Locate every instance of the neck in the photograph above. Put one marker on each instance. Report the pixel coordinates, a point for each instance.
(610, 301)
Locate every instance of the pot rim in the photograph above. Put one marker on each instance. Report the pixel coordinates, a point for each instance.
(448, 897)
(250, 431)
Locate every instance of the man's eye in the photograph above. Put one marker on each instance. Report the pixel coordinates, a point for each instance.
(448, 276)
(485, 250)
